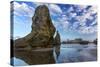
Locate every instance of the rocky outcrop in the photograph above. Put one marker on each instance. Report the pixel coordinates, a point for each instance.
(30, 48)
(57, 44)
(42, 30)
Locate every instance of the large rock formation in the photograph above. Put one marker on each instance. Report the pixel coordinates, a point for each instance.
(30, 48)
(42, 30)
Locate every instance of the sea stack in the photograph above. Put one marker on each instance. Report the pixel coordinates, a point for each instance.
(33, 47)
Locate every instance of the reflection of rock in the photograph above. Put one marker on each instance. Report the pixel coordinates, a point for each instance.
(35, 56)
(41, 37)
(57, 44)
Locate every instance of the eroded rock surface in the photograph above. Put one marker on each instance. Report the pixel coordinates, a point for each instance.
(30, 48)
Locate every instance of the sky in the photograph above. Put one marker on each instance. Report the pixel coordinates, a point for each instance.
(71, 20)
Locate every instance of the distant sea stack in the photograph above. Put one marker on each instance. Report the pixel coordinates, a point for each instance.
(41, 36)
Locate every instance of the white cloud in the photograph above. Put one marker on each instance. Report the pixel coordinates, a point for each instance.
(80, 7)
(23, 9)
(61, 23)
(75, 25)
(93, 10)
(63, 18)
(72, 14)
(88, 14)
(94, 22)
(82, 20)
(65, 24)
(70, 9)
(87, 30)
(69, 13)
(54, 9)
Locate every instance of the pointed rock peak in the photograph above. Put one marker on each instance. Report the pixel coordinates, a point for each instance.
(42, 7)
(42, 10)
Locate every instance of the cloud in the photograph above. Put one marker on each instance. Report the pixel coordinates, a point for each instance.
(70, 9)
(93, 10)
(61, 23)
(75, 25)
(69, 12)
(87, 30)
(86, 18)
(23, 9)
(79, 8)
(72, 15)
(55, 8)
(63, 18)
(94, 22)
(81, 19)
(88, 14)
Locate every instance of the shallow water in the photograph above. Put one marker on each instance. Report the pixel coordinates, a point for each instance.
(71, 53)
(77, 53)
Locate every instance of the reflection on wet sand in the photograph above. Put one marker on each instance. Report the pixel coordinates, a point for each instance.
(38, 56)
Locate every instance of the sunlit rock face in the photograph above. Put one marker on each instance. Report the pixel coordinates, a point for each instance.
(37, 46)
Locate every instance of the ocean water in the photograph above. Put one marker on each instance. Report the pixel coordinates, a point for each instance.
(77, 53)
(70, 53)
